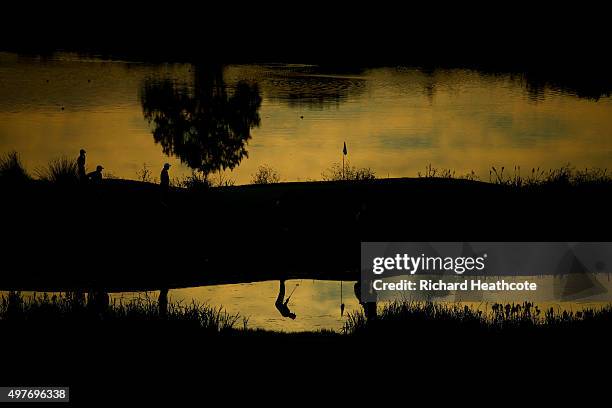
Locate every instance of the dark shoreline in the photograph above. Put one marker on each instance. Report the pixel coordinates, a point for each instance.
(122, 355)
(126, 235)
(585, 76)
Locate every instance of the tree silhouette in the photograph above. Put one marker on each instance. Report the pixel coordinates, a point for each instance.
(206, 126)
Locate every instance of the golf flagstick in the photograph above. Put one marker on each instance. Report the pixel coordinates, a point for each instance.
(344, 153)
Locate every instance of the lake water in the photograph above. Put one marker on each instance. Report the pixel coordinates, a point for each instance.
(317, 303)
(395, 120)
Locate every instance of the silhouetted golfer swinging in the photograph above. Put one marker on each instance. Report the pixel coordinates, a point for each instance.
(281, 303)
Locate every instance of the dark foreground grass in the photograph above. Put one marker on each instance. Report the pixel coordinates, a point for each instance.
(62, 171)
(69, 312)
(49, 340)
(393, 318)
(564, 176)
(400, 316)
(12, 169)
(74, 309)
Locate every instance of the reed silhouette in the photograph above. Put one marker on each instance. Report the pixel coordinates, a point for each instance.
(12, 170)
(61, 171)
(404, 318)
(397, 317)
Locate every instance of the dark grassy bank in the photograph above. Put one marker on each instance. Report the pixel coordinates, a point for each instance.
(125, 234)
(133, 353)
(71, 310)
(408, 317)
(85, 348)
(64, 315)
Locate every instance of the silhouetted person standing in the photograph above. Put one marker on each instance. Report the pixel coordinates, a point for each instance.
(163, 302)
(164, 178)
(81, 166)
(281, 303)
(369, 308)
(96, 176)
(98, 301)
(164, 183)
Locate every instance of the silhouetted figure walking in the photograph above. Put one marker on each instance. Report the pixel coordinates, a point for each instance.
(81, 166)
(281, 303)
(96, 176)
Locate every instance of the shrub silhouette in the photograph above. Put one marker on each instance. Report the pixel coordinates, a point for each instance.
(12, 169)
(265, 175)
(62, 171)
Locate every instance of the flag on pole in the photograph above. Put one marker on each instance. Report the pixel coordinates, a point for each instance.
(344, 149)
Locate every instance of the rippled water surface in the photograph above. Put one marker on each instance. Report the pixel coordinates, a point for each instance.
(395, 120)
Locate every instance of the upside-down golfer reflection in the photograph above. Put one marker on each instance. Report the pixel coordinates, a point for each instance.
(281, 302)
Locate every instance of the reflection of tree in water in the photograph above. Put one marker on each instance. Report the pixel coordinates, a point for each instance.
(206, 126)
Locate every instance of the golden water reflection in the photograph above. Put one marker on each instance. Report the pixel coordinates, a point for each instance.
(394, 120)
(317, 303)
